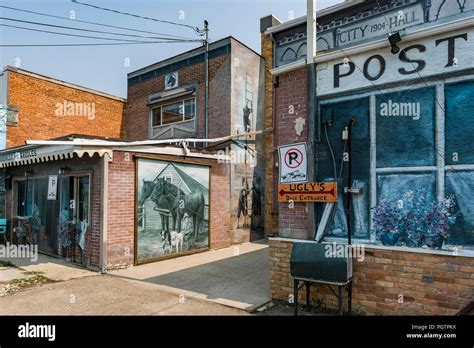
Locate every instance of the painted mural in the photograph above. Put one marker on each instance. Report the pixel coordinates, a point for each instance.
(412, 191)
(172, 208)
(367, 23)
(248, 162)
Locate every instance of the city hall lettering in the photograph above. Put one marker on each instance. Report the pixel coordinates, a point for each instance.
(380, 25)
(432, 56)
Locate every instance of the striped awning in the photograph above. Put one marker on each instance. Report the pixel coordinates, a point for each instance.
(29, 155)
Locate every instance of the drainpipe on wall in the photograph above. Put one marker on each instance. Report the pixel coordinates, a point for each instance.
(104, 198)
(206, 94)
(311, 37)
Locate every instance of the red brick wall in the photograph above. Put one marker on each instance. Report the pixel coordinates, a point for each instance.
(291, 91)
(36, 100)
(389, 282)
(136, 125)
(121, 210)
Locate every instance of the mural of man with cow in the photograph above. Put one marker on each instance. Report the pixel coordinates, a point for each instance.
(173, 208)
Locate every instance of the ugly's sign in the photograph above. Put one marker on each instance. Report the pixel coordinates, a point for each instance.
(324, 192)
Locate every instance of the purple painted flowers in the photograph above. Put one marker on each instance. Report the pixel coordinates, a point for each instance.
(414, 218)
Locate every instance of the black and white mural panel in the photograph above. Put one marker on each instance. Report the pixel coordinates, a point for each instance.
(172, 208)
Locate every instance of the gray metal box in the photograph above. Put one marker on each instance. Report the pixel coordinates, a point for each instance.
(318, 262)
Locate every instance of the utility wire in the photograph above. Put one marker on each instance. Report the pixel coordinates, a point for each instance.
(87, 30)
(88, 44)
(196, 29)
(93, 23)
(67, 34)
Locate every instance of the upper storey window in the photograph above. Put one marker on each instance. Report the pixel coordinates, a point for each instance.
(184, 110)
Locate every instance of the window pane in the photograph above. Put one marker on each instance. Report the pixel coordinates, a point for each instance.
(156, 117)
(67, 198)
(173, 113)
(405, 128)
(189, 109)
(460, 123)
(461, 186)
(40, 198)
(21, 196)
(84, 198)
(391, 186)
(340, 114)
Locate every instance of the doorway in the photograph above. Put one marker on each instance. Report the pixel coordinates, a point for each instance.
(58, 226)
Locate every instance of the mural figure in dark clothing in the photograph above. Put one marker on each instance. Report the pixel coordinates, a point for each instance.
(247, 111)
(242, 208)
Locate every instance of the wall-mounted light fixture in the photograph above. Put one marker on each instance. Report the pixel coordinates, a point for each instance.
(394, 39)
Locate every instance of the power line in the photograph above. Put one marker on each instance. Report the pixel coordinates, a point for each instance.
(87, 30)
(89, 44)
(67, 34)
(93, 23)
(196, 29)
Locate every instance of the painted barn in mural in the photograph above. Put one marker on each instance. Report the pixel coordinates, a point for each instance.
(412, 153)
(167, 101)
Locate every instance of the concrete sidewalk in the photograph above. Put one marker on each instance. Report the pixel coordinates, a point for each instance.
(105, 295)
(52, 268)
(236, 276)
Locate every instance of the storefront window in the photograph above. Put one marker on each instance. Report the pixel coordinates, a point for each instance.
(406, 126)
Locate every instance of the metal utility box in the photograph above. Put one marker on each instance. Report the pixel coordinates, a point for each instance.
(321, 262)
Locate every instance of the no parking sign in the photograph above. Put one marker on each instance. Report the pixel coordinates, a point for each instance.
(293, 163)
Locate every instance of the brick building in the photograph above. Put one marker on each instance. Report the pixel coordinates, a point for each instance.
(166, 100)
(410, 143)
(161, 191)
(101, 230)
(38, 107)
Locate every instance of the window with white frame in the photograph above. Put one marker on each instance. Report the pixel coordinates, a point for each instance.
(184, 110)
(416, 138)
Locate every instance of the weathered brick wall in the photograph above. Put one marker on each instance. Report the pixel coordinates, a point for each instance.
(121, 210)
(136, 125)
(270, 213)
(37, 99)
(291, 103)
(389, 282)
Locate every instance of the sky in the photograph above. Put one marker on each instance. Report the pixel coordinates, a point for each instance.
(105, 68)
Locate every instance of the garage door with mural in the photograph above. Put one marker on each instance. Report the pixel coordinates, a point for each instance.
(172, 208)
